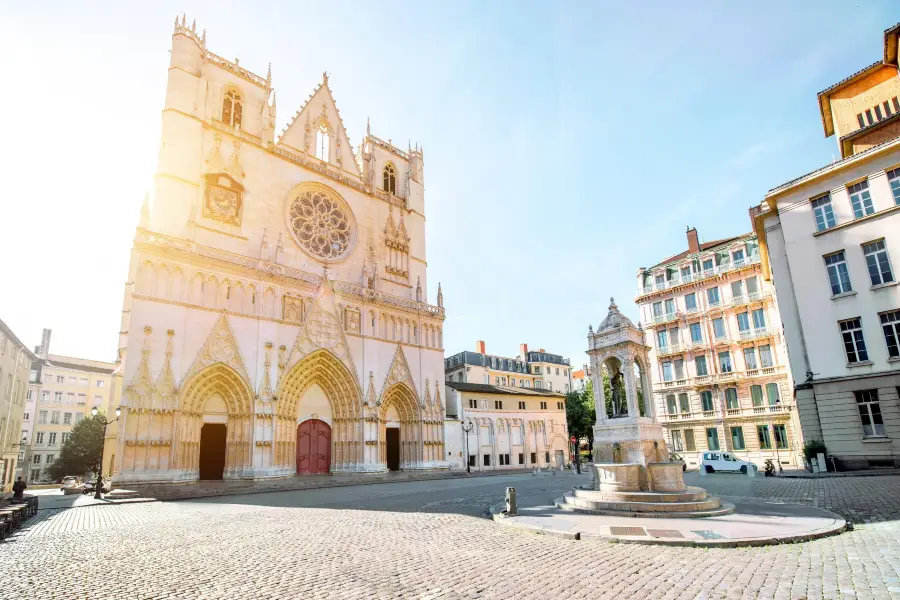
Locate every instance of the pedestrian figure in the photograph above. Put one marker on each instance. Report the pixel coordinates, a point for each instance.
(18, 489)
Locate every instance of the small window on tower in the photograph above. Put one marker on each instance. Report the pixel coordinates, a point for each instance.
(232, 109)
(322, 143)
(389, 176)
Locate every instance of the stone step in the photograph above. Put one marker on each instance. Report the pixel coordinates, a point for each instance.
(120, 494)
(721, 509)
(642, 507)
(691, 494)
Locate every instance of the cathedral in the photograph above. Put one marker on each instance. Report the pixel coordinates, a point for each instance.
(275, 320)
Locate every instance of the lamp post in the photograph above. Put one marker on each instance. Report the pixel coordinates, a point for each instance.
(576, 454)
(103, 421)
(467, 431)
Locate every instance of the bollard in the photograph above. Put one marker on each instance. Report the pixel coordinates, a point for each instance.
(511, 509)
(702, 470)
(751, 471)
(534, 471)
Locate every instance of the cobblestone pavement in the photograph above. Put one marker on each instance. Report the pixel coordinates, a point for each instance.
(427, 540)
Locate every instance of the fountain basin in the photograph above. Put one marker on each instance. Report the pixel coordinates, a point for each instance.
(666, 476)
(617, 477)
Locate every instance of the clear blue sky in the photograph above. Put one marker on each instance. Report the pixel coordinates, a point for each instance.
(566, 143)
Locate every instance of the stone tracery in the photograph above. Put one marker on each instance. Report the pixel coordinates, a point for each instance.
(321, 224)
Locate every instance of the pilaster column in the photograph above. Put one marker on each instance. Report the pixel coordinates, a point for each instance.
(599, 397)
(630, 392)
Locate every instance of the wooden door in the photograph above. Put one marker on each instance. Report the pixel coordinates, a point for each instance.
(212, 450)
(313, 447)
(392, 437)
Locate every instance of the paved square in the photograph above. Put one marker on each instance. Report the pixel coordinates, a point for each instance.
(429, 540)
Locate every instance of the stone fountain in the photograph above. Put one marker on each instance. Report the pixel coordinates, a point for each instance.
(633, 475)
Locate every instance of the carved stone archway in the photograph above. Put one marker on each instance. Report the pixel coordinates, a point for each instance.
(400, 397)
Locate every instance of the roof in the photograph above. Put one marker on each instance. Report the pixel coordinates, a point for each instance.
(703, 248)
(579, 374)
(482, 388)
(80, 364)
(9, 333)
(614, 319)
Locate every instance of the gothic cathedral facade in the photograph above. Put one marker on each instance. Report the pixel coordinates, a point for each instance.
(275, 319)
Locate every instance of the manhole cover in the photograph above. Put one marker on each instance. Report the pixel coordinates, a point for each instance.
(665, 533)
(627, 531)
(709, 535)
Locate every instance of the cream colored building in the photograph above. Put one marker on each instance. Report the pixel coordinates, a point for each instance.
(15, 365)
(717, 358)
(529, 369)
(510, 428)
(831, 243)
(276, 317)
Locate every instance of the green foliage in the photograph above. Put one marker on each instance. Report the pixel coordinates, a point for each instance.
(607, 393)
(580, 415)
(812, 448)
(81, 451)
(641, 408)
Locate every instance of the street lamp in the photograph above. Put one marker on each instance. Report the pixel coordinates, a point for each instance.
(103, 421)
(467, 431)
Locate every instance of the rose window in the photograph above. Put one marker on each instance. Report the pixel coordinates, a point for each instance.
(321, 225)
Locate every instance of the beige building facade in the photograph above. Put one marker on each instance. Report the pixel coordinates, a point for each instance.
(276, 319)
(529, 369)
(509, 428)
(717, 360)
(15, 366)
(830, 242)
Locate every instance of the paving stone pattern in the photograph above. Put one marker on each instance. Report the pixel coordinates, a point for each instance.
(309, 545)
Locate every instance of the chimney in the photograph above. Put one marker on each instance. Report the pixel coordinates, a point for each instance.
(45, 344)
(479, 347)
(541, 350)
(523, 351)
(693, 240)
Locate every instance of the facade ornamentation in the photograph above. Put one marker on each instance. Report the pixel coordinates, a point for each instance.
(322, 225)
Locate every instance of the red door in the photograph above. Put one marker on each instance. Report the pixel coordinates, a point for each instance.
(313, 447)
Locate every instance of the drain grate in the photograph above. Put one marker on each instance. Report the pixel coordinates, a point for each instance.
(665, 533)
(709, 535)
(627, 531)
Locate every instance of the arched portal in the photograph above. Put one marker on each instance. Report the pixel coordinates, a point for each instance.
(399, 429)
(338, 386)
(213, 427)
(313, 447)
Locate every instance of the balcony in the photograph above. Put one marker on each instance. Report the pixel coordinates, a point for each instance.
(675, 384)
(687, 416)
(726, 377)
(763, 372)
(740, 300)
(757, 333)
(670, 350)
(703, 379)
(679, 280)
(666, 318)
(692, 310)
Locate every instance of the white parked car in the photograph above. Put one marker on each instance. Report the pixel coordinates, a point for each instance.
(725, 461)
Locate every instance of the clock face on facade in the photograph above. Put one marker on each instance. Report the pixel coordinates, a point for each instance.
(321, 223)
(223, 202)
(223, 199)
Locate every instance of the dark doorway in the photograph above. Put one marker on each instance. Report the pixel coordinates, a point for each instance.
(212, 450)
(392, 437)
(313, 447)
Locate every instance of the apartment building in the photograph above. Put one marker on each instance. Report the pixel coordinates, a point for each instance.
(830, 240)
(509, 428)
(717, 358)
(529, 369)
(63, 390)
(15, 362)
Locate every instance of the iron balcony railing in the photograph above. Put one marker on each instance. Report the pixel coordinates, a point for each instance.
(706, 274)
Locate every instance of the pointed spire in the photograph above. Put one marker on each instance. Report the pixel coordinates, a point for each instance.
(324, 77)
(269, 76)
(368, 127)
(194, 26)
(176, 23)
(203, 39)
(145, 211)
(440, 299)
(184, 20)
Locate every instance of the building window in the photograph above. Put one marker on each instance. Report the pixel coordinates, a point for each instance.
(661, 339)
(781, 441)
(99, 383)
(700, 366)
(860, 199)
(677, 444)
(487, 460)
(45, 397)
(52, 440)
(521, 458)
(543, 406)
(731, 398)
(79, 417)
(890, 323)
(772, 393)
(503, 459)
(743, 320)
(667, 371)
(533, 457)
(60, 379)
(473, 403)
(878, 262)
(58, 397)
(547, 457)
(750, 358)
(725, 362)
(696, 333)
(893, 177)
(65, 436)
(706, 401)
(82, 399)
(521, 406)
(838, 276)
(560, 406)
(689, 444)
(67, 419)
(712, 438)
(36, 459)
(498, 404)
(870, 413)
(670, 404)
(854, 344)
(719, 328)
(39, 437)
(472, 462)
(537, 384)
(42, 417)
(389, 179)
(684, 404)
(28, 394)
(712, 296)
(765, 356)
(823, 212)
(756, 395)
(762, 432)
(737, 438)
(27, 416)
(232, 109)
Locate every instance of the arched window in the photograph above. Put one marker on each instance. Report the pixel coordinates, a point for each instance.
(232, 109)
(389, 177)
(322, 143)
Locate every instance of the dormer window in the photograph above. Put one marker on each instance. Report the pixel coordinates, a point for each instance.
(323, 143)
(232, 109)
(389, 177)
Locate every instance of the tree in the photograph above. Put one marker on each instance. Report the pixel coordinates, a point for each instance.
(81, 451)
(580, 415)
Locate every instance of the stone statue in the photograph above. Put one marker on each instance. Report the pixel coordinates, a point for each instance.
(619, 401)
